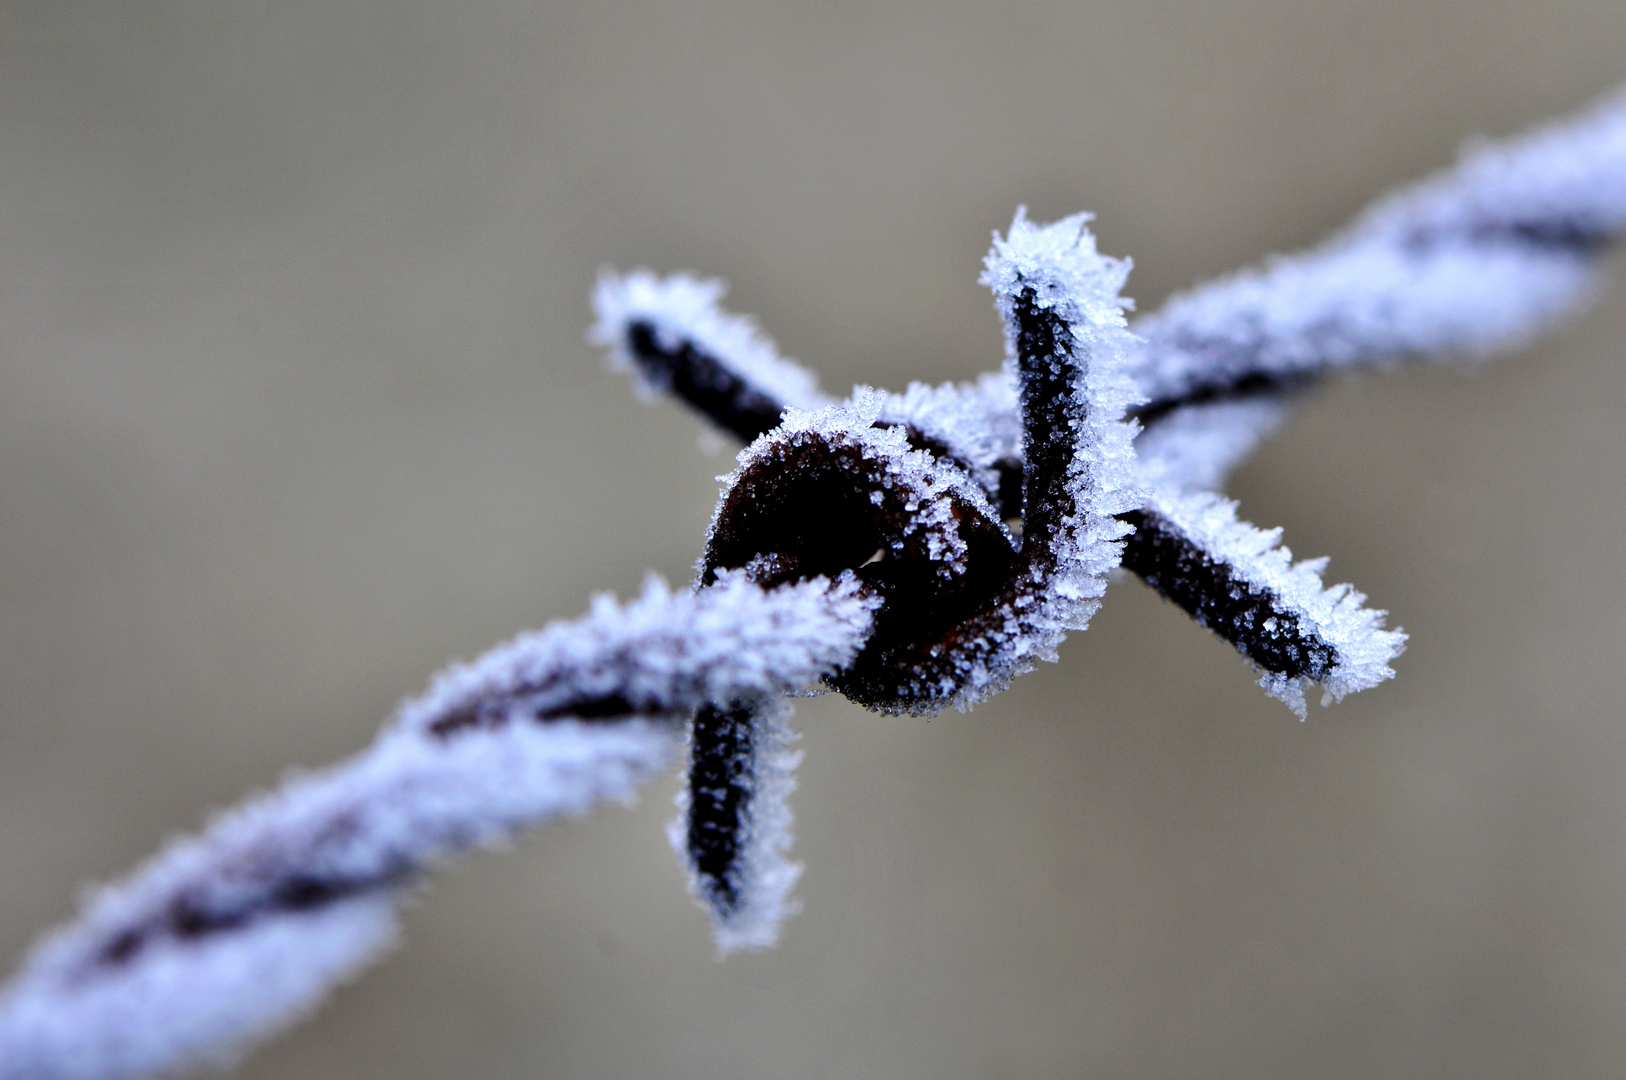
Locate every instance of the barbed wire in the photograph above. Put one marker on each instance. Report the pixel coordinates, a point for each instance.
(912, 551)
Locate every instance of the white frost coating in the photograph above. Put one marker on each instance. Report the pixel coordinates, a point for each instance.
(979, 422)
(682, 308)
(226, 937)
(762, 874)
(1571, 171)
(1359, 301)
(726, 641)
(170, 1012)
(1473, 260)
(1060, 264)
(916, 475)
(180, 1002)
(1336, 614)
(1195, 448)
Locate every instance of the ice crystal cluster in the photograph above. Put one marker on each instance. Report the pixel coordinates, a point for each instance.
(912, 550)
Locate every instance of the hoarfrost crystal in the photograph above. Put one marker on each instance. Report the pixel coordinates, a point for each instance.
(913, 551)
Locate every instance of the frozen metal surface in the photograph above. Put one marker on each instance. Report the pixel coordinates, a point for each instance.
(295, 406)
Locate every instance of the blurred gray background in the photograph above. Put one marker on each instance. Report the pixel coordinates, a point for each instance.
(295, 407)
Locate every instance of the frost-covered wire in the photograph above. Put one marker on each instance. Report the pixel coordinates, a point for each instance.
(913, 551)
(1473, 260)
(671, 335)
(733, 825)
(1237, 581)
(227, 936)
(966, 606)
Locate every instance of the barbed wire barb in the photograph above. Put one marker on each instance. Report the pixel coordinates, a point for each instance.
(912, 551)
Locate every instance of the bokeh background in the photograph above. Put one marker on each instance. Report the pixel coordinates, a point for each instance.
(295, 406)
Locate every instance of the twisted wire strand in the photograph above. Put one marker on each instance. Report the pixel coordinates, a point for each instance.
(1473, 261)
(965, 607)
(227, 936)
